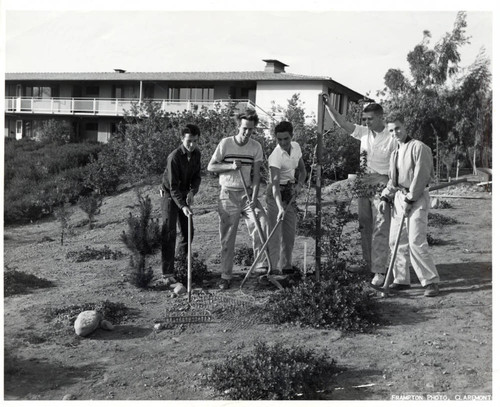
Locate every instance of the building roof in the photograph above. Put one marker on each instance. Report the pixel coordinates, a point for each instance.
(162, 76)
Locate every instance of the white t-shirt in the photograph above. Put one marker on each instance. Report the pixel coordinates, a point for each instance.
(286, 163)
(378, 148)
(228, 151)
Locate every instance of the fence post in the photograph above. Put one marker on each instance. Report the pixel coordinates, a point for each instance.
(319, 161)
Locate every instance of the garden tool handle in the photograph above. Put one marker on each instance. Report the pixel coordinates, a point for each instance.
(189, 256)
(257, 223)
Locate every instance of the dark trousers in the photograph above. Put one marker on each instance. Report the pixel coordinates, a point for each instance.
(171, 215)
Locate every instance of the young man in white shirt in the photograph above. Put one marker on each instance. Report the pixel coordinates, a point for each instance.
(232, 154)
(285, 159)
(377, 144)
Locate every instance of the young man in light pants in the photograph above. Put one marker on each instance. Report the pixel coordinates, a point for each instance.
(285, 159)
(232, 154)
(377, 144)
(410, 173)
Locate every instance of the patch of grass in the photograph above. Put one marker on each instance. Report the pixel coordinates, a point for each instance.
(444, 205)
(438, 220)
(19, 282)
(111, 311)
(434, 241)
(199, 270)
(243, 256)
(273, 372)
(90, 253)
(340, 301)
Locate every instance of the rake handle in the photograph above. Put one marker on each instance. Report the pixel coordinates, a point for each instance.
(257, 223)
(189, 255)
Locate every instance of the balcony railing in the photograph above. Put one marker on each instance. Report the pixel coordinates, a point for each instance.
(107, 107)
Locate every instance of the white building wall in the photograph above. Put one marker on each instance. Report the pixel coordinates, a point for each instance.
(280, 92)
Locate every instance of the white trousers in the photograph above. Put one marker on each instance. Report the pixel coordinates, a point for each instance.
(413, 246)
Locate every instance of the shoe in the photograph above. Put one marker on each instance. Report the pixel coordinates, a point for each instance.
(224, 284)
(378, 279)
(431, 290)
(356, 268)
(261, 270)
(399, 287)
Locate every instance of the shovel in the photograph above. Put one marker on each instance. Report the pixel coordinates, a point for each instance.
(389, 276)
(270, 277)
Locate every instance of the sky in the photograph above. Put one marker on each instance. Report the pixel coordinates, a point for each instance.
(353, 46)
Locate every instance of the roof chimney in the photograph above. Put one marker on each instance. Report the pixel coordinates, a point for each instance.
(274, 66)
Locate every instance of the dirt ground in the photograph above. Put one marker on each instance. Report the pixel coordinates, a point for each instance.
(438, 348)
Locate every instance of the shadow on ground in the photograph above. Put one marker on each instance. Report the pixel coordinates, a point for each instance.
(28, 378)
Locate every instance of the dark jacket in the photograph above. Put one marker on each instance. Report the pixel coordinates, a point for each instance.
(182, 175)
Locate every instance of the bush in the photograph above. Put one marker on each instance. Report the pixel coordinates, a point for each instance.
(434, 241)
(41, 176)
(90, 253)
(339, 301)
(111, 311)
(90, 204)
(19, 282)
(56, 131)
(438, 220)
(273, 372)
(142, 238)
(199, 270)
(243, 256)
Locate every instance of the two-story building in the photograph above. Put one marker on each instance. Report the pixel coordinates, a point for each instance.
(94, 103)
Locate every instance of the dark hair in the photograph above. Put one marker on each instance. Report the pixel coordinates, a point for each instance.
(395, 116)
(283, 127)
(249, 114)
(192, 129)
(374, 108)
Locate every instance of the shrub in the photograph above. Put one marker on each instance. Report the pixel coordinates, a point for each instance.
(434, 241)
(444, 205)
(111, 311)
(19, 282)
(39, 174)
(142, 238)
(90, 253)
(199, 270)
(438, 220)
(243, 256)
(63, 214)
(90, 204)
(273, 372)
(56, 131)
(339, 301)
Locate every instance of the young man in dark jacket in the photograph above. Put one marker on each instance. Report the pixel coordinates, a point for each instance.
(180, 183)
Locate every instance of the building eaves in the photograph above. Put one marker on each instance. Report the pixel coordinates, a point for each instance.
(161, 76)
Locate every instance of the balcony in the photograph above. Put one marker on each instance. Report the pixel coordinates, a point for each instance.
(107, 107)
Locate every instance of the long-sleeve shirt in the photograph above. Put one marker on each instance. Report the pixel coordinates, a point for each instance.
(182, 174)
(411, 168)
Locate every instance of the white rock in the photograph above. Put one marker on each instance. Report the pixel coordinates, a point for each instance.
(69, 397)
(434, 203)
(179, 289)
(87, 322)
(106, 325)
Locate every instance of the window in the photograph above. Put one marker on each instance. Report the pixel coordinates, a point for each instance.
(90, 126)
(338, 101)
(44, 92)
(196, 94)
